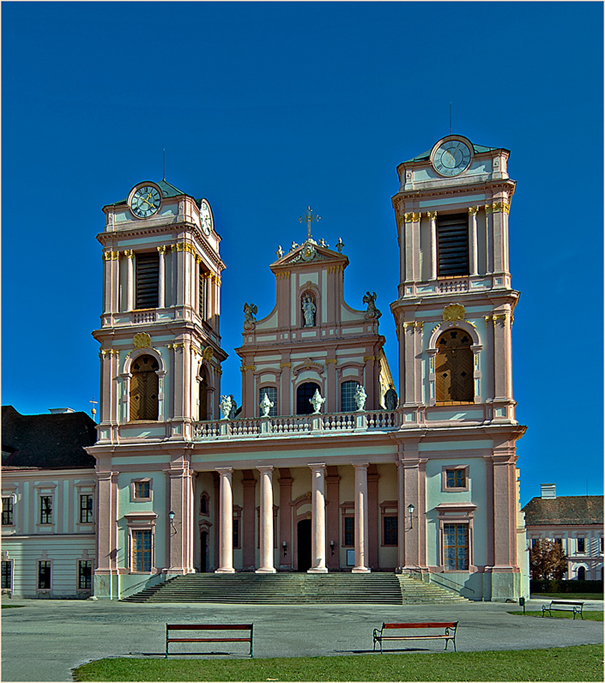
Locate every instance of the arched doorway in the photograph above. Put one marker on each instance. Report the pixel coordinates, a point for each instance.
(204, 551)
(304, 545)
(581, 573)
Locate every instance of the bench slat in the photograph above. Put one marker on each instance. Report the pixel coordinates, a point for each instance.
(208, 627)
(426, 624)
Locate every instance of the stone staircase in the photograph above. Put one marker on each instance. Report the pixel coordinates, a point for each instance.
(296, 589)
(414, 591)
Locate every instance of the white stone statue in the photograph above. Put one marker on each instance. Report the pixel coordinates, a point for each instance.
(309, 310)
(228, 407)
(372, 312)
(360, 397)
(265, 405)
(317, 401)
(250, 311)
(280, 252)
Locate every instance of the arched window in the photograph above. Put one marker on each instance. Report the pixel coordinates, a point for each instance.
(303, 394)
(203, 397)
(454, 367)
(144, 389)
(581, 573)
(347, 396)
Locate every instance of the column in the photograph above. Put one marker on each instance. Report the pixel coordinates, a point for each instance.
(361, 518)
(162, 277)
(226, 521)
(472, 239)
(130, 302)
(180, 530)
(266, 520)
(318, 532)
(432, 216)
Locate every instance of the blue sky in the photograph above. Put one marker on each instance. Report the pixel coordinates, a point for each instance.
(265, 108)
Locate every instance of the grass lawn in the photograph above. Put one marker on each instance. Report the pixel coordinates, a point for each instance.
(588, 616)
(579, 663)
(567, 596)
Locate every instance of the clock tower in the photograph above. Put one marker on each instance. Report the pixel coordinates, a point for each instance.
(454, 316)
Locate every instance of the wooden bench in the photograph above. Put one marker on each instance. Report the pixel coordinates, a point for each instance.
(449, 632)
(208, 639)
(564, 606)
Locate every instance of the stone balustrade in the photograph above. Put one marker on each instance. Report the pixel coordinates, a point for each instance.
(376, 420)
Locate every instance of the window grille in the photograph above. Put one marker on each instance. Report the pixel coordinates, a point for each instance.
(347, 396)
(272, 396)
(455, 546)
(86, 510)
(7, 510)
(141, 551)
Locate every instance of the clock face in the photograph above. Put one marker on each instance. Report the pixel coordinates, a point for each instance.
(205, 216)
(451, 158)
(145, 201)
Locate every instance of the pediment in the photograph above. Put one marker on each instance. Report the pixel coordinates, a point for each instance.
(309, 251)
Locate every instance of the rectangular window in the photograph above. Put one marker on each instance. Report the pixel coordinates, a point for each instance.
(455, 546)
(601, 544)
(142, 489)
(581, 545)
(44, 575)
(86, 509)
(7, 574)
(347, 396)
(390, 530)
(456, 479)
(85, 574)
(147, 280)
(349, 531)
(236, 533)
(272, 396)
(141, 551)
(46, 510)
(534, 542)
(7, 510)
(452, 245)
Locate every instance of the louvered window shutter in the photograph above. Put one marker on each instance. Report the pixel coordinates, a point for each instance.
(148, 275)
(452, 240)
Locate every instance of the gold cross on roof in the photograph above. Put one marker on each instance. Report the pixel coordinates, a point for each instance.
(308, 219)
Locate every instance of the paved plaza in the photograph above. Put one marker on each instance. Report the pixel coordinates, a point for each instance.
(46, 639)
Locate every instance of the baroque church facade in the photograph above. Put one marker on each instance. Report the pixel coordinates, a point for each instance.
(327, 466)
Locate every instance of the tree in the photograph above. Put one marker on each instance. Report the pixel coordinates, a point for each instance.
(547, 560)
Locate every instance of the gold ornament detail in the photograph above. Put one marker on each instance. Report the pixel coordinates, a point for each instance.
(141, 341)
(454, 312)
(111, 255)
(162, 249)
(208, 351)
(432, 215)
(497, 207)
(129, 253)
(473, 210)
(412, 217)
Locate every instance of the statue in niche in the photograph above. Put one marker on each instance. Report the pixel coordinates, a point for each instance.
(309, 310)
(372, 313)
(265, 405)
(317, 401)
(360, 397)
(250, 311)
(390, 399)
(228, 407)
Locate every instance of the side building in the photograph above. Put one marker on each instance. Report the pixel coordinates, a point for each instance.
(49, 521)
(576, 523)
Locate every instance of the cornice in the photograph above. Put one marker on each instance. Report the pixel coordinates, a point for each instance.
(439, 192)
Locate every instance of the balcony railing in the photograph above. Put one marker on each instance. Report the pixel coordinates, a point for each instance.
(370, 421)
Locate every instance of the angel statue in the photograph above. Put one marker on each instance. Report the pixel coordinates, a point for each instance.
(317, 401)
(372, 312)
(250, 311)
(228, 407)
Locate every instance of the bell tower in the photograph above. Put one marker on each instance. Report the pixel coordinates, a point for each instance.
(455, 307)
(159, 334)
